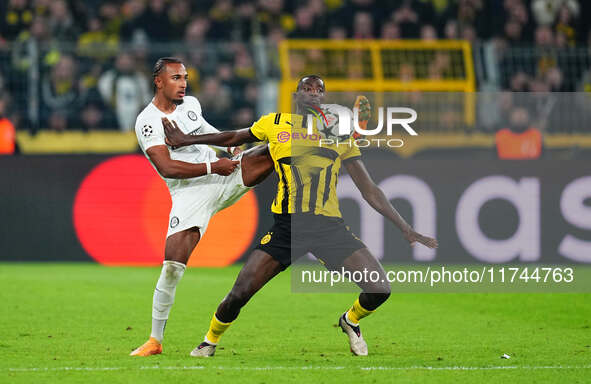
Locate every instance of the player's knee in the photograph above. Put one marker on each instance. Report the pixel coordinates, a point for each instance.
(250, 183)
(172, 272)
(381, 289)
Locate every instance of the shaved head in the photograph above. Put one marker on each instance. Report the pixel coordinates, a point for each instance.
(310, 78)
(310, 91)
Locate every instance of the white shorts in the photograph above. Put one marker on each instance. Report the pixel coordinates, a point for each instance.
(194, 206)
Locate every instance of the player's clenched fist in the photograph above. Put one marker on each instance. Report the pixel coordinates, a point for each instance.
(224, 166)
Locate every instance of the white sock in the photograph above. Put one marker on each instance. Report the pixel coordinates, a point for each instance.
(172, 272)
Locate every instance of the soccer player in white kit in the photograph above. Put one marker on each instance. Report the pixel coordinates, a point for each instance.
(200, 184)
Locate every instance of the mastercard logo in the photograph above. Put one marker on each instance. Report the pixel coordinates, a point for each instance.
(121, 214)
(283, 136)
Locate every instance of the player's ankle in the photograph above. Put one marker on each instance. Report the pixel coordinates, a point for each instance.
(349, 321)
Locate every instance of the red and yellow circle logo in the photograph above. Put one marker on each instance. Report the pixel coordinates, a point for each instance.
(121, 214)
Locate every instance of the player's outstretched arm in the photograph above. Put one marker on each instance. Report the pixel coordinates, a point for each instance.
(176, 138)
(175, 169)
(376, 198)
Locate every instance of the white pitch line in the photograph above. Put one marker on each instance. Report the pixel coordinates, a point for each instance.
(461, 368)
(303, 368)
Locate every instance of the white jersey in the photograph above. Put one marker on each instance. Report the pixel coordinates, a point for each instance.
(150, 132)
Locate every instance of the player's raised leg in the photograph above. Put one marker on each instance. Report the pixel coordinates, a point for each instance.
(374, 294)
(257, 164)
(177, 252)
(258, 270)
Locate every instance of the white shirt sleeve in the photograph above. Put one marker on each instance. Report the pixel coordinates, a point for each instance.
(149, 132)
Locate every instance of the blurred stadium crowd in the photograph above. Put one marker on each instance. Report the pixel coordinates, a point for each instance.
(93, 57)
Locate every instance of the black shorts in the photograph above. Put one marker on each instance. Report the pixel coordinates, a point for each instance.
(327, 238)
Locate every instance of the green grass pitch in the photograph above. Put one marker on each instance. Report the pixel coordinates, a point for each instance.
(65, 323)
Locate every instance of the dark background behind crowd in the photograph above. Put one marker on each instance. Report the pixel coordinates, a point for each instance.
(95, 56)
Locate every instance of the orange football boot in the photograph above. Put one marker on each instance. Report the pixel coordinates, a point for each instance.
(150, 347)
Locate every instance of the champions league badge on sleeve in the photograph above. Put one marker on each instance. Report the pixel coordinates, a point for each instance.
(192, 115)
(147, 130)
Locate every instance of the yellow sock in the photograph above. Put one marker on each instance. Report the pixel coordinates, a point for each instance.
(357, 312)
(216, 329)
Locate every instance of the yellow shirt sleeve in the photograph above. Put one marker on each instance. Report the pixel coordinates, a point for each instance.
(261, 127)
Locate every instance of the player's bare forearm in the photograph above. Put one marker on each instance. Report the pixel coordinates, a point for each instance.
(374, 195)
(378, 201)
(175, 169)
(181, 170)
(222, 139)
(176, 138)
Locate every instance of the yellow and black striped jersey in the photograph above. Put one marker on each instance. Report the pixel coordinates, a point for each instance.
(307, 166)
